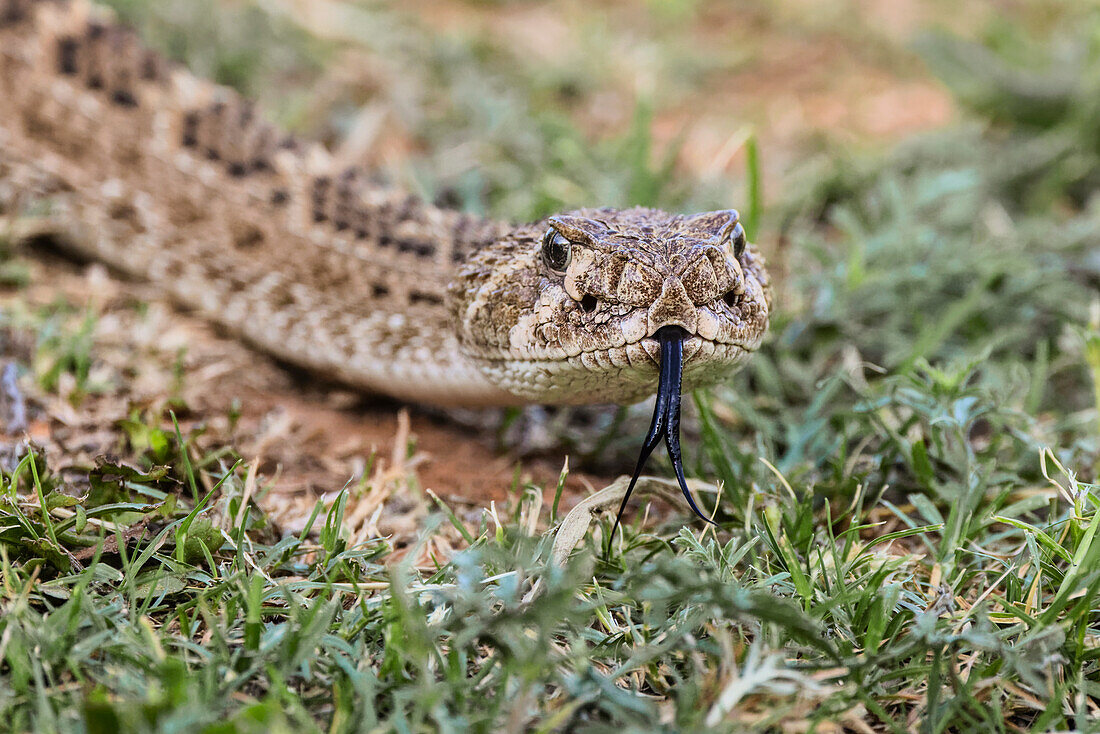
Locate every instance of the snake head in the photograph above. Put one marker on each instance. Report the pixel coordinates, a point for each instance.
(566, 310)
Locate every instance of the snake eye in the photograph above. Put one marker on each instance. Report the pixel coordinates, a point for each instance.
(737, 239)
(556, 251)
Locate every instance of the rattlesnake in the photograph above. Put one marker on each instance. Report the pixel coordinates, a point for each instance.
(176, 180)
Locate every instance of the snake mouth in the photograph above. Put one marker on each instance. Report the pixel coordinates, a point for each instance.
(690, 343)
(578, 371)
(694, 347)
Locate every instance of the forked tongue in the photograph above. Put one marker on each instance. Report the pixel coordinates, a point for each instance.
(666, 418)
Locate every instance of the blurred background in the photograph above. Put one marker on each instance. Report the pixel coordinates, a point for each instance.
(520, 108)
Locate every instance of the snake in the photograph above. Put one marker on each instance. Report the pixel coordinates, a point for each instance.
(135, 162)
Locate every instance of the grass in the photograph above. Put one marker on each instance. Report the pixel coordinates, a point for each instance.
(908, 505)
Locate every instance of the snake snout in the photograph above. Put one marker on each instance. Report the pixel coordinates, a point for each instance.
(673, 307)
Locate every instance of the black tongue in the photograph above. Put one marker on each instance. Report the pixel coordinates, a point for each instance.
(666, 418)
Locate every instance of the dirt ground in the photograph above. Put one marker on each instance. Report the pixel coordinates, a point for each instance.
(308, 440)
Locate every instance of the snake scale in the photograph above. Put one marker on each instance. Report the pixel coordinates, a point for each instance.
(137, 163)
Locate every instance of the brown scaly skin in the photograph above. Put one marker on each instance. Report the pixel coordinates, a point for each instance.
(178, 181)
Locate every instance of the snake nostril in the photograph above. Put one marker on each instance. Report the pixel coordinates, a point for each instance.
(588, 303)
(730, 299)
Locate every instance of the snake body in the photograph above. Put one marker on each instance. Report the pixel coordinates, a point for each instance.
(178, 181)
